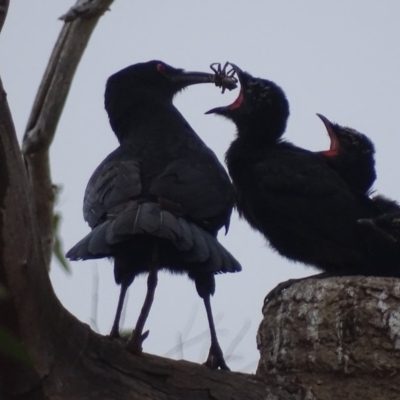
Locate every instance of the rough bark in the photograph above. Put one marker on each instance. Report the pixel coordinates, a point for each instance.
(337, 338)
(80, 22)
(26, 307)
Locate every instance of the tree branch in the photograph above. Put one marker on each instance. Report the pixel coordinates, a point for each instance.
(3, 11)
(31, 304)
(337, 338)
(48, 106)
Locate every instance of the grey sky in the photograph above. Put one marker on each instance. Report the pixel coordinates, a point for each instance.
(339, 58)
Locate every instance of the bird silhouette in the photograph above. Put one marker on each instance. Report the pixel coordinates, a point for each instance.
(302, 206)
(351, 154)
(158, 200)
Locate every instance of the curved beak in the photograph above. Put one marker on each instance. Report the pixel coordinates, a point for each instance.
(217, 110)
(331, 131)
(186, 78)
(328, 124)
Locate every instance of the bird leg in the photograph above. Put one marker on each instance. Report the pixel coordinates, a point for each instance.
(215, 357)
(114, 334)
(277, 290)
(135, 342)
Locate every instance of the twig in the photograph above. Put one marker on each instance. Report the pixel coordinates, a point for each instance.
(95, 299)
(46, 112)
(3, 11)
(84, 9)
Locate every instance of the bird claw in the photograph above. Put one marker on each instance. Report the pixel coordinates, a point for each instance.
(114, 334)
(223, 78)
(135, 342)
(216, 359)
(278, 289)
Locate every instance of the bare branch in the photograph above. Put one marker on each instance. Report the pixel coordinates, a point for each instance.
(84, 9)
(3, 11)
(31, 306)
(47, 109)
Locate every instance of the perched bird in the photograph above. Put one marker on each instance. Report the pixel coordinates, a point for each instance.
(351, 155)
(306, 211)
(159, 199)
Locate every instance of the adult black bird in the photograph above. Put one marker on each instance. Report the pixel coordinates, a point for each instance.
(303, 207)
(159, 199)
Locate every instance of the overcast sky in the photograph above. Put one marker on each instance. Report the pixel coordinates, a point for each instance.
(338, 58)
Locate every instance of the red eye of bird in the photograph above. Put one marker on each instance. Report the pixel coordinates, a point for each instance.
(161, 68)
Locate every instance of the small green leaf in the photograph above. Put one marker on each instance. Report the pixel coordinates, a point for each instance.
(58, 248)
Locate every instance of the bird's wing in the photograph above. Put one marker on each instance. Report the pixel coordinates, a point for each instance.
(199, 185)
(114, 182)
(298, 187)
(298, 174)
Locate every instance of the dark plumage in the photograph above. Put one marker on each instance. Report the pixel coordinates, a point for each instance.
(159, 199)
(351, 155)
(303, 207)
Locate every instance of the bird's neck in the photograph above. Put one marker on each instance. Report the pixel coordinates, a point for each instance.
(147, 117)
(245, 151)
(253, 135)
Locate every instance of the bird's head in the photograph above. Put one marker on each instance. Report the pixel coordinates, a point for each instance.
(143, 85)
(261, 107)
(346, 140)
(351, 154)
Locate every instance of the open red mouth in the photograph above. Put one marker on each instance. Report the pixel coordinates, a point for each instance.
(334, 147)
(237, 103)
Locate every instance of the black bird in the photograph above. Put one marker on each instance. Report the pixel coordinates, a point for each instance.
(303, 207)
(159, 199)
(351, 155)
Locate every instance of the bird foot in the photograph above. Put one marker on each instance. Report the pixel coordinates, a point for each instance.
(135, 342)
(114, 334)
(216, 359)
(277, 290)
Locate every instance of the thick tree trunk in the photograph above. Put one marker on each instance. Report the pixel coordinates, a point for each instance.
(337, 338)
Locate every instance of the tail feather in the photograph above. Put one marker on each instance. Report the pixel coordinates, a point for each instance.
(193, 247)
(93, 245)
(185, 241)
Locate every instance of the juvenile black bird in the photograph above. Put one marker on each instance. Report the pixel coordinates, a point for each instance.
(351, 155)
(303, 207)
(159, 199)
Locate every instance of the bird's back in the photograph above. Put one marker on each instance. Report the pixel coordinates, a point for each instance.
(161, 182)
(305, 210)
